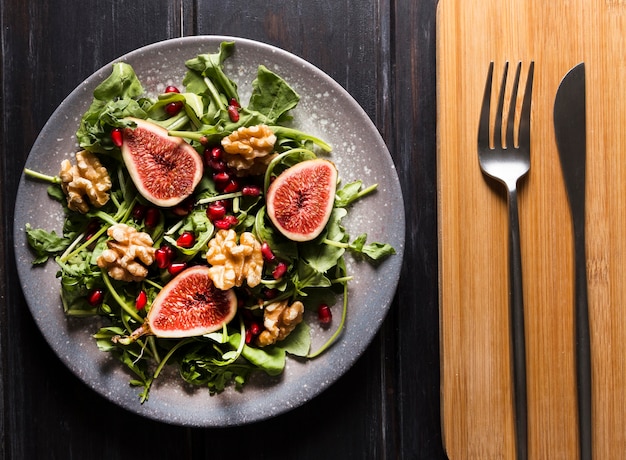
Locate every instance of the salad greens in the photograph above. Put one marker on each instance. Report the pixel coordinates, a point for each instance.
(316, 271)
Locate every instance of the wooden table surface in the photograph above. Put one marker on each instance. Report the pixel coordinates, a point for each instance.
(383, 53)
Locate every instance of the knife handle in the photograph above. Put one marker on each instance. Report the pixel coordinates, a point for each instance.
(518, 338)
(583, 342)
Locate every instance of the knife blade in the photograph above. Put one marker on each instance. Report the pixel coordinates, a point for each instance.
(570, 131)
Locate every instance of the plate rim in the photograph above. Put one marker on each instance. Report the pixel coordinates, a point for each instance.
(397, 259)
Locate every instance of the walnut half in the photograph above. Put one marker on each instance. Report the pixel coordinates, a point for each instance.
(232, 263)
(248, 150)
(279, 319)
(129, 253)
(88, 179)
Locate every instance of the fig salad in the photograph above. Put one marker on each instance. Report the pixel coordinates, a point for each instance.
(206, 234)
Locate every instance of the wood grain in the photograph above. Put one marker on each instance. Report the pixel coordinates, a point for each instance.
(383, 53)
(476, 376)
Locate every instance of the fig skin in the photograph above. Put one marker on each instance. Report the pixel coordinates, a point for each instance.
(190, 305)
(165, 169)
(300, 200)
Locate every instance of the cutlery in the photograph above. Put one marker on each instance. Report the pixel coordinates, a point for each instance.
(507, 163)
(569, 127)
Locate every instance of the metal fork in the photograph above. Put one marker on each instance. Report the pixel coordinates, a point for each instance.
(507, 163)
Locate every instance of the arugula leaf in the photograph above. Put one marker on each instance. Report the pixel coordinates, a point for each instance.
(269, 359)
(122, 82)
(45, 244)
(298, 343)
(322, 257)
(208, 69)
(201, 365)
(351, 192)
(376, 251)
(271, 95)
(115, 98)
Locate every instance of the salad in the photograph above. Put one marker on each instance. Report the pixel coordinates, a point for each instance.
(201, 230)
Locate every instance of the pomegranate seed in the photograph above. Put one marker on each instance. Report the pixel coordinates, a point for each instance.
(270, 293)
(228, 204)
(248, 336)
(217, 165)
(186, 240)
(171, 89)
(251, 190)
(222, 224)
(92, 227)
(117, 137)
(173, 108)
(95, 297)
(139, 212)
(324, 314)
(280, 270)
(204, 140)
(212, 154)
(141, 300)
(217, 153)
(164, 256)
(255, 328)
(216, 211)
(221, 177)
(176, 267)
(234, 102)
(232, 186)
(267, 252)
(233, 113)
(153, 216)
(183, 209)
(232, 219)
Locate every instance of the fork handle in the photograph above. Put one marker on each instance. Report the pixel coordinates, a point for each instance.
(516, 305)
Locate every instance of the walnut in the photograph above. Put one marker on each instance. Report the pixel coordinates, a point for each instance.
(279, 319)
(128, 254)
(232, 262)
(248, 150)
(88, 178)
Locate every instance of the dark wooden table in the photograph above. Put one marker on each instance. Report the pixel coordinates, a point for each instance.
(383, 53)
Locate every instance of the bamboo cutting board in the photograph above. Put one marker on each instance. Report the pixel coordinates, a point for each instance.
(477, 400)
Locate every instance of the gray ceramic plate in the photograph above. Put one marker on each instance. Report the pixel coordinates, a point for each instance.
(325, 110)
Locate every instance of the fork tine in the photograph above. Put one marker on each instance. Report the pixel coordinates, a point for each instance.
(497, 128)
(485, 111)
(510, 140)
(524, 125)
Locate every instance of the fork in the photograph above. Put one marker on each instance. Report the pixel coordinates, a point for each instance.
(507, 163)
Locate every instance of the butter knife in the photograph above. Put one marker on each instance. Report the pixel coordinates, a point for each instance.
(570, 131)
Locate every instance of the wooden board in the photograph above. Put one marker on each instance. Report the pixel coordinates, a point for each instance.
(476, 377)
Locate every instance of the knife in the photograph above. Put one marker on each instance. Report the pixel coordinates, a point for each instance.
(570, 127)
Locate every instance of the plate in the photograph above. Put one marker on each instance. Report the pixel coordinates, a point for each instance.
(325, 110)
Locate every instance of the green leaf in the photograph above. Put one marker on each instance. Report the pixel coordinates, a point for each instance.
(122, 82)
(271, 95)
(298, 343)
(210, 66)
(45, 244)
(269, 359)
(377, 251)
(348, 193)
(323, 257)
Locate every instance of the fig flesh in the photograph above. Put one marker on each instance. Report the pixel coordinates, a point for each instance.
(190, 305)
(300, 200)
(164, 169)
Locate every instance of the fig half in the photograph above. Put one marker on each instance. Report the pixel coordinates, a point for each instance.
(165, 169)
(190, 305)
(301, 199)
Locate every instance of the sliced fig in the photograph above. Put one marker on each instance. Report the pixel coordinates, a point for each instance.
(190, 305)
(164, 169)
(301, 198)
